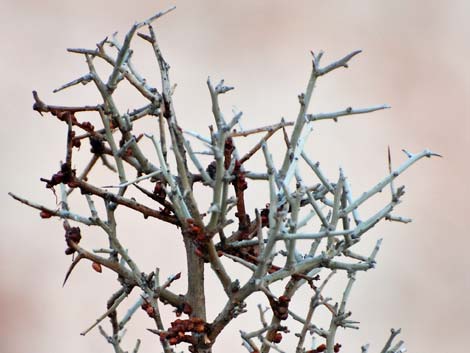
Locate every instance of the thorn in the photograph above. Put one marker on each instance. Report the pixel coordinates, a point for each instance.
(72, 266)
(408, 154)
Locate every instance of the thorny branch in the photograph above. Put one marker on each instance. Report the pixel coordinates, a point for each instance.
(257, 237)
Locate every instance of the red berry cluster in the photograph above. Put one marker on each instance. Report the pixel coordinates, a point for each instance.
(177, 332)
(72, 234)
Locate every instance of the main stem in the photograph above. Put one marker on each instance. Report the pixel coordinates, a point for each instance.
(195, 295)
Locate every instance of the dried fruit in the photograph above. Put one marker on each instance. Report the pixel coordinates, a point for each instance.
(45, 214)
(97, 267)
(150, 311)
(73, 234)
(277, 337)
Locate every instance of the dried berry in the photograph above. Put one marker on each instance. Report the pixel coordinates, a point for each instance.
(76, 143)
(97, 267)
(97, 145)
(177, 332)
(73, 234)
(87, 126)
(150, 311)
(277, 337)
(45, 214)
(69, 251)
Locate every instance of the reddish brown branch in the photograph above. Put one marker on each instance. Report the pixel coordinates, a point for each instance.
(42, 107)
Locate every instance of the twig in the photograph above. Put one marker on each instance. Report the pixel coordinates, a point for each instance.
(348, 111)
(118, 301)
(58, 213)
(393, 333)
(377, 188)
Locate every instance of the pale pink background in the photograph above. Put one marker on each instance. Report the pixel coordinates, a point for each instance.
(415, 59)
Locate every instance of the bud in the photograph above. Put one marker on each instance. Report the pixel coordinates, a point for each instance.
(97, 267)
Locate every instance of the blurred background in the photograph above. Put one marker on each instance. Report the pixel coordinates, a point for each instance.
(415, 58)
